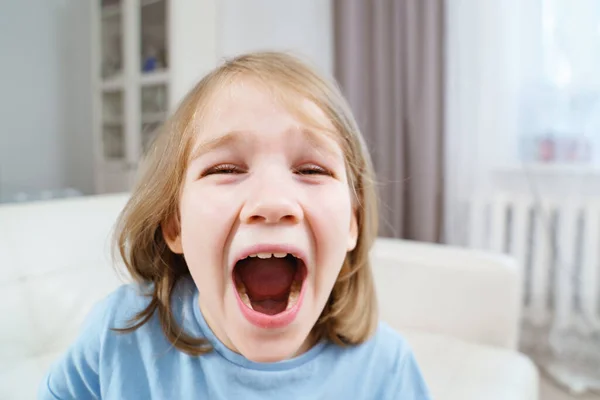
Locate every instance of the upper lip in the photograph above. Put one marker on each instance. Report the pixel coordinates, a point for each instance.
(271, 248)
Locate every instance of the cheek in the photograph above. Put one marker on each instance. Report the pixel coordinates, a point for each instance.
(206, 220)
(206, 212)
(329, 216)
(332, 211)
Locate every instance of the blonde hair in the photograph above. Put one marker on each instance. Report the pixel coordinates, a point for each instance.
(350, 315)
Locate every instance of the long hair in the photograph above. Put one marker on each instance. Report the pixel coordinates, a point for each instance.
(350, 315)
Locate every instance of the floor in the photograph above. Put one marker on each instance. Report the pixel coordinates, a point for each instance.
(549, 391)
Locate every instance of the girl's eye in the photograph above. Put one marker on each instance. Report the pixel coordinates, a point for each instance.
(312, 169)
(223, 169)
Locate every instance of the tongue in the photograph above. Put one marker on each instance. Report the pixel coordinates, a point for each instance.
(267, 279)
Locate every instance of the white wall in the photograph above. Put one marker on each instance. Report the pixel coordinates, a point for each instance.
(76, 42)
(44, 100)
(303, 27)
(31, 139)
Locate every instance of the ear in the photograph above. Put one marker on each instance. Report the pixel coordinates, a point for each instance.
(171, 234)
(353, 232)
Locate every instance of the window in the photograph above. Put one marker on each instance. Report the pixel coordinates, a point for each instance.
(560, 121)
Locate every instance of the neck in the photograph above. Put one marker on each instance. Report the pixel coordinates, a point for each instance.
(311, 340)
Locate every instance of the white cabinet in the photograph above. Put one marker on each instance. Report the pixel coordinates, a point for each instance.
(146, 55)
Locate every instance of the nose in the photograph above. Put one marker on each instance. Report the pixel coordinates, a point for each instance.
(272, 203)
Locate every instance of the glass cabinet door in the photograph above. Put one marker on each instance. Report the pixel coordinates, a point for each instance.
(111, 35)
(154, 112)
(153, 36)
(113, 131)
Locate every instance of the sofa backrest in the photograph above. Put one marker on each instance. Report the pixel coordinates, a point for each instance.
(470, 295)
(55, 263)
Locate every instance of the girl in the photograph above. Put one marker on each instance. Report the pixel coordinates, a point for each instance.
(248, 238)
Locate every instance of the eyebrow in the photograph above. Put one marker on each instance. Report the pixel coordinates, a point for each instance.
(220, 141)
(314, 138)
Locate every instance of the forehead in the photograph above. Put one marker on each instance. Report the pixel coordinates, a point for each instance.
(249, 105)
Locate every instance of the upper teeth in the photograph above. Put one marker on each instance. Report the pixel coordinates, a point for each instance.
(268, 255)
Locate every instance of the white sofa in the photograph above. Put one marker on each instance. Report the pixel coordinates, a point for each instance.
(458, 309)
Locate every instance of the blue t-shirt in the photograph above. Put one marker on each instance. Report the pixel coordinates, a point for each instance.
(103, 364)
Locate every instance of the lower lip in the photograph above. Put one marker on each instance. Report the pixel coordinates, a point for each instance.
(265, 321)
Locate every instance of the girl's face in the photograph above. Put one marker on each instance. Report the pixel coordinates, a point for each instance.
(266, 221)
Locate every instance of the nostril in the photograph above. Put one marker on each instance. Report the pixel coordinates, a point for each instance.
(256, 218)
(272, 220)
(289, 218)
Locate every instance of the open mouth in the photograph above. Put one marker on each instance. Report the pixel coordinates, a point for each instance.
(269, 283)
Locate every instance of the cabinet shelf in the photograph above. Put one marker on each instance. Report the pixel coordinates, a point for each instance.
(114, 10)
(110, 11)
(146, 3)
(113, 83)
(146, 79)
(147, 118)
(157, 77)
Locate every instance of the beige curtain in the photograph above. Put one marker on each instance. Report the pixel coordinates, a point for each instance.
(389, 58)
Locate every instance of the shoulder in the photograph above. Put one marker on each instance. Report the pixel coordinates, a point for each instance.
(75, 374)
(126, 297)
(397, 366)
(388, 337)
(387, 344)
(119, 307)
(384, 350)
(123, 303)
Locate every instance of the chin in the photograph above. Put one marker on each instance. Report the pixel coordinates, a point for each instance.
(266, 344)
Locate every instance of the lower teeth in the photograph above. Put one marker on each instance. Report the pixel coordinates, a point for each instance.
(292, 299)
(243, 295)
(294, 293)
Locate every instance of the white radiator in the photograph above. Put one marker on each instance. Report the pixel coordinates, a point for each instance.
(558, 244)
